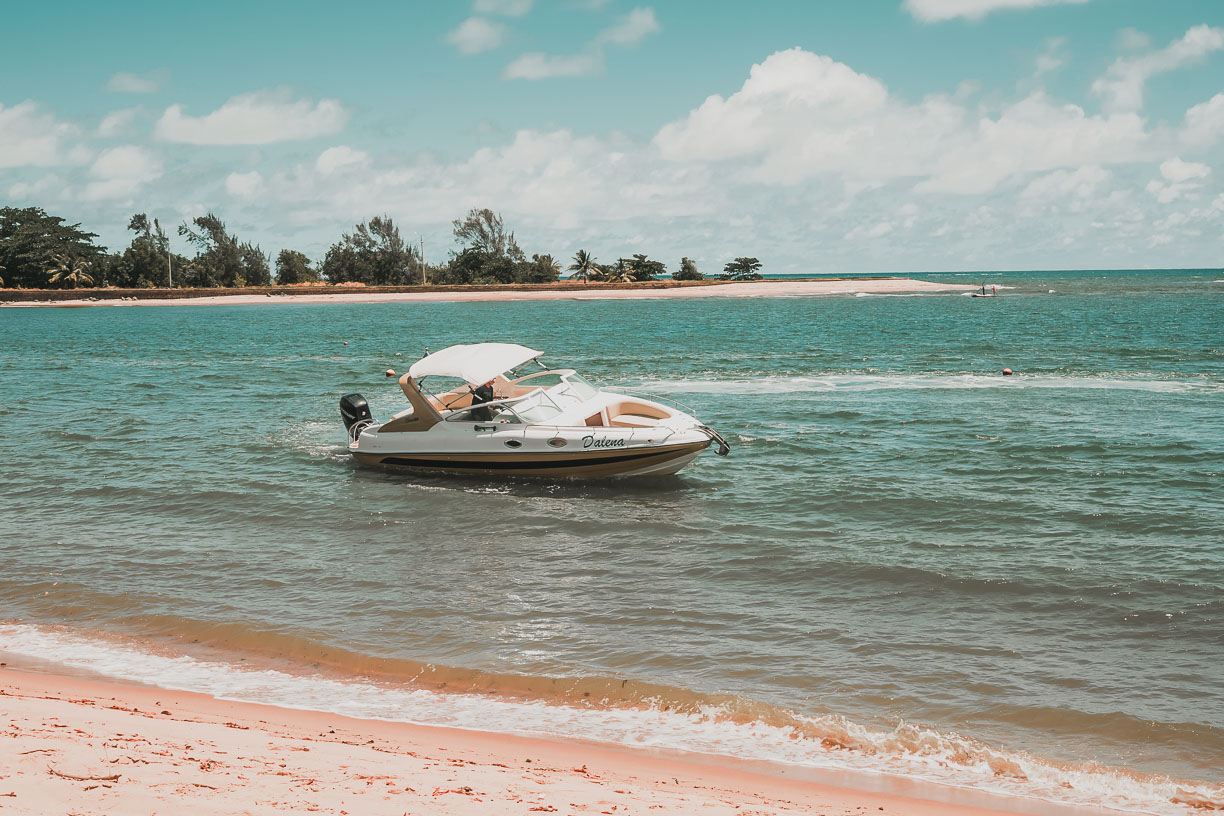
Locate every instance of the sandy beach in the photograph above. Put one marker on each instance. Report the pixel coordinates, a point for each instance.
(83, 746)
(768, 288)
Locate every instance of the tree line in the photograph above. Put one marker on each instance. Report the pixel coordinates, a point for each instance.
(38, 250)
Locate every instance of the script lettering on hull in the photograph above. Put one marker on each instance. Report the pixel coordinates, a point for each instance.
(590, 441)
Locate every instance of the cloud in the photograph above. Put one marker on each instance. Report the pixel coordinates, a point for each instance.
(115, 122)
(1179, 179)
(639, 24)
(1052, 56)
(869, 232)
(505, 8)
(120, 171)
(934, 11)
(538, 65)
(264, 117)
(1122, 86)
(334, 158)
(31, 138)
(137, 83)
(636, 26)
(1083, 182)
(1204, 124)
(244, 185)
(476, 34)
(801, 115)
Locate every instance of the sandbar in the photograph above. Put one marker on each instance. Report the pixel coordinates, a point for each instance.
(752, 289)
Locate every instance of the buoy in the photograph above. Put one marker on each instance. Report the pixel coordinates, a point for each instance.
(346, 342)
(390, 372)
(1007, 372)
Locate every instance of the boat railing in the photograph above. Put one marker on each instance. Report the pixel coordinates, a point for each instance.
(634, 392)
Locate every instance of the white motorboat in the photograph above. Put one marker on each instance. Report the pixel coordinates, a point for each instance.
(534, 421)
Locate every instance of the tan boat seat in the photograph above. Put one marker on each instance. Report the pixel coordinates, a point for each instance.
(634, 421)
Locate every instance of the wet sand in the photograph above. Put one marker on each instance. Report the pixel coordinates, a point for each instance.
(766, 288)
(84, 746)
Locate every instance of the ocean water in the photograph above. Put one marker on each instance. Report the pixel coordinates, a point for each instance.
(908, 564)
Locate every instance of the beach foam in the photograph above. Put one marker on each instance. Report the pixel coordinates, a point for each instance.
(827, 741)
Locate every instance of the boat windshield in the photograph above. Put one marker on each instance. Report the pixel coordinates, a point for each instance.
(538, 407)
(580, 388)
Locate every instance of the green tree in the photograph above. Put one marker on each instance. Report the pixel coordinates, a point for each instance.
(540, 269)
(742, 269)
(294, 267)
(62, 269)
(29, 238)
(147, 261)
(374, 254)
(687, 271)
(584, 266)
(644, 269)
(483, 230)
(220, 259)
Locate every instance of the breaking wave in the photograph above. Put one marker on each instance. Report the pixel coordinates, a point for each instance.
(891, 382)
(712, 726)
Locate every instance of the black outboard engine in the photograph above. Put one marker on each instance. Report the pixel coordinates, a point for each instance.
(355, 412)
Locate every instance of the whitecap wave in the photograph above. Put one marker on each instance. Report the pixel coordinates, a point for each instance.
(828, 741)
(891, 382)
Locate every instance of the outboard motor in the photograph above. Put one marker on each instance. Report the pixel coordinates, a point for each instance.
(355, 412)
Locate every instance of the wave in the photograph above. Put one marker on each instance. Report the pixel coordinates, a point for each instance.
(892, 382)
(713, 727)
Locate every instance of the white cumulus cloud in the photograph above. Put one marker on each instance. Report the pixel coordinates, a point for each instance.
(801, 115)
(120, 171)
(244, 185)
(476, 34)
(1177, 179)
(264, 117)
(933, 11)
(30, 137)
(1122, 86)
(334, 158)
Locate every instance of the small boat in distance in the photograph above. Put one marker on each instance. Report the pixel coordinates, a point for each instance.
(983, 293)
(509, 414)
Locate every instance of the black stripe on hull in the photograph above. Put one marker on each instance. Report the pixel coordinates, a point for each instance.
(535, 464)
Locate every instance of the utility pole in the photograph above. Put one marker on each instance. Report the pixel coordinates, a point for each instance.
(424, 281)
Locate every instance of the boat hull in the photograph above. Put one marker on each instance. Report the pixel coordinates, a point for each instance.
(659, 460)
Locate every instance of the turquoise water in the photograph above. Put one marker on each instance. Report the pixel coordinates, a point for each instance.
(909, 562)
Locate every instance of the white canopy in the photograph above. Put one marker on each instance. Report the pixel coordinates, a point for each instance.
(475, 363)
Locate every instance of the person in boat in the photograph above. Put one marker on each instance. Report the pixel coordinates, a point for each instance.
(480, 395)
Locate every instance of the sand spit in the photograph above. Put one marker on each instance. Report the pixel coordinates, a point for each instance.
(766, 288)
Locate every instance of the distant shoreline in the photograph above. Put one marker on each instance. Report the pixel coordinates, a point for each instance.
(545, 291)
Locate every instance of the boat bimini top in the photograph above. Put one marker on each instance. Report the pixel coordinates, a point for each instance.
(474, 363)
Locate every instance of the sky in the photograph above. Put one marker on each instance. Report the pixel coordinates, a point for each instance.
(830, 137)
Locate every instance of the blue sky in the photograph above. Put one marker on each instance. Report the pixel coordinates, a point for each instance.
(829, 137)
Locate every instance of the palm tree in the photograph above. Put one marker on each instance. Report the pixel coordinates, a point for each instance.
(622, 272)
(63, 269)
(584, 266)
(2, 268)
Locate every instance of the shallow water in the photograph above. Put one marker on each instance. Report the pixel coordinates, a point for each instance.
(909, 562)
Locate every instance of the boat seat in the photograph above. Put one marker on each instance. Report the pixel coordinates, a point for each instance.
(633, 421)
